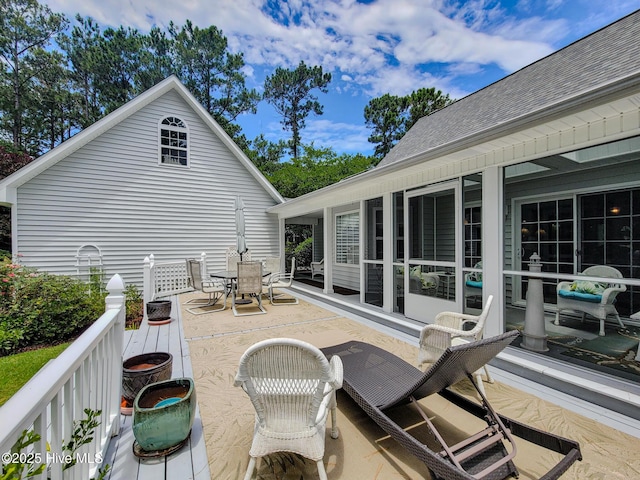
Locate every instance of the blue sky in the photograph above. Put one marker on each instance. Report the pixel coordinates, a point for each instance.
(371, 47)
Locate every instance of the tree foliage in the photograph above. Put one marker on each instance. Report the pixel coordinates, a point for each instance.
(391, 116)
(211, 72)
(54, 82)
(316, 168)
(26, 28)
(290, 93)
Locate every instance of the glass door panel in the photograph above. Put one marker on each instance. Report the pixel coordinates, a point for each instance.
(373, 251)
(433, 237)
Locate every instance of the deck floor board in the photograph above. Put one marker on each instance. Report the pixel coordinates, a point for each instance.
(191, 461)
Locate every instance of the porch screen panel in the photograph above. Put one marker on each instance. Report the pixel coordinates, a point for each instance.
(445, 228)
(373, 254)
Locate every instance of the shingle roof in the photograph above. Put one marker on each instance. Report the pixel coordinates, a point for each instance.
(606, 55)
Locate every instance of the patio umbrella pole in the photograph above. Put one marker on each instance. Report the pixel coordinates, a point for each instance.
(241, 242)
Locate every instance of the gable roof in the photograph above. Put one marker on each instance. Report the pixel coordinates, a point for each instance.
(31, 170)
(606, 56)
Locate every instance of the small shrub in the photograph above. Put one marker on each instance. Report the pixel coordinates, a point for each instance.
(133, 306)
(38, 308)
(303, 252)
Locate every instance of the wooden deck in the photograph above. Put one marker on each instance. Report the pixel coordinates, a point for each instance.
(191, 461)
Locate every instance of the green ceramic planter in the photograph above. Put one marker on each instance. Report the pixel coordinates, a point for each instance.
(163, 414)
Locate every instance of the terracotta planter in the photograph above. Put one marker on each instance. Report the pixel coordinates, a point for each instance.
(141, 370)
(163, 415)
(159, 311)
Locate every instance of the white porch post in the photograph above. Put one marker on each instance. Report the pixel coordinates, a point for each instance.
(329, 248)
(387, 250)
(282, 244)
(493, 247)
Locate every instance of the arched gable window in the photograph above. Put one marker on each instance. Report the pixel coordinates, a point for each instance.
(174, 145)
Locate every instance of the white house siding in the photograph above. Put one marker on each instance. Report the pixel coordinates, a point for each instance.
(113, 193)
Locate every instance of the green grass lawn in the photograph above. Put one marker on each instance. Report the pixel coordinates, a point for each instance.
(16, 370)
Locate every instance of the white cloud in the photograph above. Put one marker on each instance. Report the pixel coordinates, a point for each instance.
(359, 40)
(342, 137)
(385, 46)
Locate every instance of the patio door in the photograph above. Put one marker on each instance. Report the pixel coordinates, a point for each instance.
(433, 244)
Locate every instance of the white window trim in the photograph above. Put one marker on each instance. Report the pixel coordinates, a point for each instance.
(173, 128)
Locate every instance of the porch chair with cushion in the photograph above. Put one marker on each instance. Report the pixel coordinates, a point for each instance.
(450, 328)
(216, 290)
(595, 298)
(248, 285)
(386, 387)
(473, 283)
(282, 280)
(317, 268)
(292, 387)
(424, 283)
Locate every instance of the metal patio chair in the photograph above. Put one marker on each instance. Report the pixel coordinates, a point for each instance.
(215, 289)
(248, 285)
(282, 280)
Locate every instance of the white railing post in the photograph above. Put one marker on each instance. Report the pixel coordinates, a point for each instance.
(116, 300)
(147, 284)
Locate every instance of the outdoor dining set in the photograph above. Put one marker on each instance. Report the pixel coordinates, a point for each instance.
(244, 280)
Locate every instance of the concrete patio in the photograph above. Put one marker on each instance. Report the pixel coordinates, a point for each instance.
(216, 342)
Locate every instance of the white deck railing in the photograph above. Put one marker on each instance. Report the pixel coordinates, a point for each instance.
(163, 279)
(86, 375)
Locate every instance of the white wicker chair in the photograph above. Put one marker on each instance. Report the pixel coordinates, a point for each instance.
(248, 284)
(215, 289)
(317, 268)
(282, 280)
(598, 308)
(448, 330)
(292, 387)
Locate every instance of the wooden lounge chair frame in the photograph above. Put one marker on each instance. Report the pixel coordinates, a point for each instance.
(483, 455)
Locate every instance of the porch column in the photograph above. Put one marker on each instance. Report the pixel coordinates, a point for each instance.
(329, 248)
(281, 244)
(493, 248)
(387, 251)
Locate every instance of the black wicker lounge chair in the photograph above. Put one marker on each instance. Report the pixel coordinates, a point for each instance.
(378, 380)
